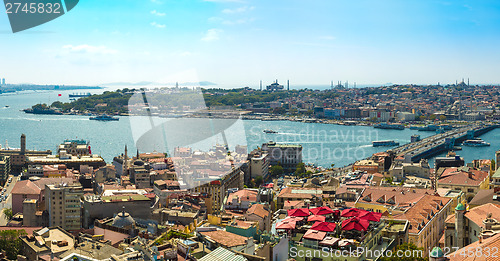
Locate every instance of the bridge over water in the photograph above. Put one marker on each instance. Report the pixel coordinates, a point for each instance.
(442, 142)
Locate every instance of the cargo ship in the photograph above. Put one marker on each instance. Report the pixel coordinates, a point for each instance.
(384, 143)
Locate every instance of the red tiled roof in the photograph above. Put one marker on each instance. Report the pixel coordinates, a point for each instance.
(458, 176)
(225, 238)
(258, 210)
(26, 187)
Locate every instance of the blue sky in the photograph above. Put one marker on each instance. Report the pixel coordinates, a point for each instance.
(236, 43)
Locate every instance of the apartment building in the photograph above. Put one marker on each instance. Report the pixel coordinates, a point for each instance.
(63, 203)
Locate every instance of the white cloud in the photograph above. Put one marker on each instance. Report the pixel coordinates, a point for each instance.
(238, 10)
(327, 37)
(154, 12)
(157, 2)
(157, 25)
(211, 35)
(88, 49)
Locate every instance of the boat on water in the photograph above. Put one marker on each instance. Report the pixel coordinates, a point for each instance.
(270, 131)
(476, 143)
(104, 118)
(384, 143)
(7, 106)
(389, 126)
(79, 95)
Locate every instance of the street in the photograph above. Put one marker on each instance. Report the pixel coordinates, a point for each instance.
(7, 203)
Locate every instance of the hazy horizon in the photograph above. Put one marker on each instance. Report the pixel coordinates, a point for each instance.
(240, 42)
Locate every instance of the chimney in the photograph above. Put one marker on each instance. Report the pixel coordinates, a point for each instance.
(471, 176)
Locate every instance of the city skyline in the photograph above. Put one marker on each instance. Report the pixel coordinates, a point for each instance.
(238, 43)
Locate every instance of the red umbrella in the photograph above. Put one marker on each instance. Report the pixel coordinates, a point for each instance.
(298, 212)
(286, 224)
(356, 224)
(321, 211)
(324, 226)
(352, 212)
(316, 218)
(371, 216)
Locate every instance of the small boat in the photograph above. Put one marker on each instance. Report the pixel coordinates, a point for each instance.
(7, 106)
(104, 118)
(381, 143)
(476, 143)
(270, 131)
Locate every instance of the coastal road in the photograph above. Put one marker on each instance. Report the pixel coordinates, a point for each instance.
(5, 204)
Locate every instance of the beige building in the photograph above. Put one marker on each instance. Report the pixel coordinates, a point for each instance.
(63, 203)
(259, 166)
(399, 169)
(426, 217)
(469, 225)
(466, 179)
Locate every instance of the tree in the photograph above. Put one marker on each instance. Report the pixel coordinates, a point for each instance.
(301, 168)
(11, 243)
(258, 181)
(432, 117)
(442, 117)
(417, 253)
(8, 213)
(276, 171)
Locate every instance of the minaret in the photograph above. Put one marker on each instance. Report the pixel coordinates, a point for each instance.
(468, 82)
(137, 154)
(125, 165)
(23, 144)
(287, 85)
(261, 85)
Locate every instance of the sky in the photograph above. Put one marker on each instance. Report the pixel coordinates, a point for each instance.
(236, 43)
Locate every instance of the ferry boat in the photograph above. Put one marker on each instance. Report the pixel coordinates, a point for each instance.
(476, 143)
(381, 143)
(104, 118)
(389, 126)
(270, 131)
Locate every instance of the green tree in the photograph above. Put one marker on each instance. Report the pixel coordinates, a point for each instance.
(258, 181)
(276, 170)
(442, 117)
(417, 253)
(8, 213)
(11, 243)
(301, 168)
(432, 117)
